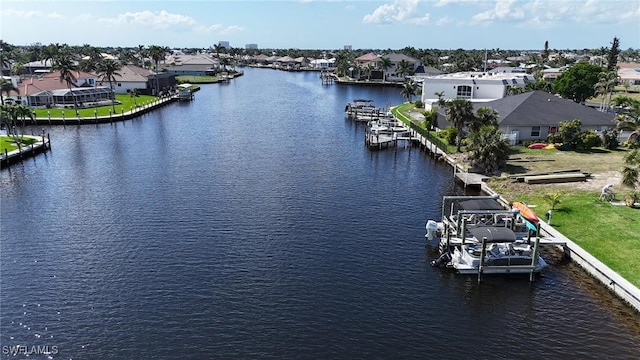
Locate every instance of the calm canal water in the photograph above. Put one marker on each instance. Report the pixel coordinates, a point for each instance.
(253, 223)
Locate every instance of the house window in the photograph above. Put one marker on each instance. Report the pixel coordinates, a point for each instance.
(552, 129)
(535, 131)
(119, 84)
(464, 92)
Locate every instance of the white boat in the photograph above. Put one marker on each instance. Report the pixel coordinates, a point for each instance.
(363, 110)
(495, 250)
(477, 235)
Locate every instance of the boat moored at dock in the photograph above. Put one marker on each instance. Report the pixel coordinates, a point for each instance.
(477, 235)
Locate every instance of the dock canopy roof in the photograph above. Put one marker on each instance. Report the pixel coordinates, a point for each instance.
(480, 204)
(493, 234)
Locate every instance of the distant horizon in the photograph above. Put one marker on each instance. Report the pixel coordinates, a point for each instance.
(326, 24)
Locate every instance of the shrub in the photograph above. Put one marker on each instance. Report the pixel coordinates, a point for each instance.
(610, 139)
(449, 134)
(588, 140)
(568, 132)
(419, 104)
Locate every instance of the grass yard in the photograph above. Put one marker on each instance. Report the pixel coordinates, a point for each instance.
(609, 232)
(7, 143)
(200, 79)
(597, 160)
(127, 103)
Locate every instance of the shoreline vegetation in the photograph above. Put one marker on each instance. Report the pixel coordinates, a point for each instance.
(609, 231)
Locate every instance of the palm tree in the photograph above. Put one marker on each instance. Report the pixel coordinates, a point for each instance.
(408, 90)
(384, 63)
(50, 54)
(108, 69)
(459, 113)
(430, 118)
(6, 87)
(484, 116)
(67, 67)
(607, 80)
(514, 90)
(405, 68)
(488, 151)
(24, 112)
(368, 70)
(8, 118)
(217, 49)
(7, 55)
(631, 171)
(141, 54)
(629, 117)
(441, 101)
(156, 53)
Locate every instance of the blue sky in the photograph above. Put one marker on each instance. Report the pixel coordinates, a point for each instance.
(325, 24)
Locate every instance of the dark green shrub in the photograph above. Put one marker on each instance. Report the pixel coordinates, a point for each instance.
(588, 140)
(449, 134)
(610, 139)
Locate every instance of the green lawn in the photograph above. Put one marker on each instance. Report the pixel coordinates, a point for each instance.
(7, 143)
(609, 232)
(126, 104)
(199, 79)
(403, 112)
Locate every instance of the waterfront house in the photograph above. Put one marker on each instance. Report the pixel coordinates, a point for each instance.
(48, 90)
(285, 63)
(326, 64)
(37, 67)
(366, 59)
(180, 64)
(392, 73)
(131, 77)
(474, 86)
(629, 73)
(550, 74)
(536, 114)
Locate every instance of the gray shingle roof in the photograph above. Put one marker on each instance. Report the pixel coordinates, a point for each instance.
(538, 108)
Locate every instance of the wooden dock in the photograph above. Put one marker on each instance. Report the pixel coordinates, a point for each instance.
(327, 78)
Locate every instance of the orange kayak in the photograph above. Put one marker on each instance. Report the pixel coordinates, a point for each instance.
(526, 212)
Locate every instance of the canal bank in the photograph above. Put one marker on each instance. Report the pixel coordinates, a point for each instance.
(610, 279)
(40, 145)
(122, 116)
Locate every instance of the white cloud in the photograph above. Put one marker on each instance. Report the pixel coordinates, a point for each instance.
(442, 3)
(231, 30)
(547, 13)
(503, 10)
(148, 19)
(421, 20)
(31, 14)
(445, 21)
(399, 10)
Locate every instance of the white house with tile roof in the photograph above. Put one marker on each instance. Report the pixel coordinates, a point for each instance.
(131, 77)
